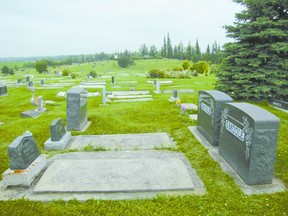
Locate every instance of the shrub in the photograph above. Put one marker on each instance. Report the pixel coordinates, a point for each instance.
(93, 74)
(65, 72)
(185, 65)
(156, 73)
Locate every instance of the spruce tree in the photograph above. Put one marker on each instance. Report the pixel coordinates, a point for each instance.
(256, 64)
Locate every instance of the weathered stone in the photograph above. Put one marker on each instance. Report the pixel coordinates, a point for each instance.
(76, 108)
(29, 114)
(248, 141)
(22, 152)
(209, 114)
(279, 104)
(3, 90)
(57, 129)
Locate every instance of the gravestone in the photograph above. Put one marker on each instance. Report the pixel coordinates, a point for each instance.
(113, 80)
(19, 81)
(30, 84)
(3, 90)
(174, 96)
(248, 141)
(280, 104)
(22, 152)
(29, 114)
(209, 114)
(76, 108)
(59, 136)
(27, 79)
(40, 104)
(42, 82)
(25, 161)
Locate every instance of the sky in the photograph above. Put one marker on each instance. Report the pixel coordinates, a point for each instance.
(71, 27)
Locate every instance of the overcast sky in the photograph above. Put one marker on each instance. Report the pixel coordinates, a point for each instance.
(60, 27)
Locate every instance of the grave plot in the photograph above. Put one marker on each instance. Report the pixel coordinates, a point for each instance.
(123, 141)
(282, 105)
(129, 96)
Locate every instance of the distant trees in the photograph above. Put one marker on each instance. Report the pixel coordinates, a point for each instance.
(5, 70)
(125, 59)
(41, 66)
(256, 63)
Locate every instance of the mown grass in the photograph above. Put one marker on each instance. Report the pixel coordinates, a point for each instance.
(223, 196)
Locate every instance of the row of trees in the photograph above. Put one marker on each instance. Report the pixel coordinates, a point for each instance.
(6, 70)
(182, 52)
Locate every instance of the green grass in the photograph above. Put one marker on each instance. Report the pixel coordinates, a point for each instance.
(223, 196)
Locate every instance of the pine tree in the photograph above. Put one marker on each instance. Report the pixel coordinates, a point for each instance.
(256, 63)
(169, 48)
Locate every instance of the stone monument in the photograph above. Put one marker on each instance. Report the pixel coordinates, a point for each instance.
(248, 141)
(59, 136)
(209, 114)
(76, 109)
(3, 90)
(25, 161)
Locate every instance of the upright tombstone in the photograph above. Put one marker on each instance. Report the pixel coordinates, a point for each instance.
(42, 82)
(40, 104)
(3, 90)
(19, 81)
(209, 114)
(174, 96)
(76, 108)
(30, 84)
(59, 136)
(25, 161)
(248, 141)
(113, 80)
(27, 79)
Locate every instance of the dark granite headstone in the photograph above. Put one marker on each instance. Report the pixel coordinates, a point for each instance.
(22, 152)
(76, 108)
(27, 79)
(113, 80)
(175, 93)
(57, 129)
(209, 114)
(30, 84)
(42, 82)
(3, 90)
(19, 80)
(248, 141)
(279, 104)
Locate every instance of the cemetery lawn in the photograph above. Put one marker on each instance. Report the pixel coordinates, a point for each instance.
(223, 196)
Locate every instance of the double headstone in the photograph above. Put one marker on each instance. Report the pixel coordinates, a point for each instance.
(3, 90)
(24, 155)
(248, 141)
(59, 136)
(209, 114)
(76, 108)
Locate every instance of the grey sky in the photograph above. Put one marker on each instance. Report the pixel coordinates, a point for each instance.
(57, 27)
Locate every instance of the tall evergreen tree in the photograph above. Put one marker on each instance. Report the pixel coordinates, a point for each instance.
(257, 63)
(197, 55)
(169, 48)
(189, 52)
(164, 49)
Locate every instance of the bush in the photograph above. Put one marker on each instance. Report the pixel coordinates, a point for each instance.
(65, 72)
(125, 61)
(156, 73)
(178, 69)
(93, 74)
(185, 65)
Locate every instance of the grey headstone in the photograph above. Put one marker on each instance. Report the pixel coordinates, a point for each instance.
(27, 79)
(29, 114)
(19, 81)
(30, 84)
(42, 82)
(76, 108)
(248, 141)
(57, 129)
(209, 114)
(113, 80)
(3, 90)
(22, 152)
(175, 93)
(40, 105)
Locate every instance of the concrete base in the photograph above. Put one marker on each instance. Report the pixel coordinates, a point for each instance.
(142, 141)
(24, 177)
(58, 145)
(276, 186)
(193, 117)
(173, 99)
(189, 106)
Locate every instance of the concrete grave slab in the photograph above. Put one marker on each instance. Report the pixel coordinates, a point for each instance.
(123, 141)
(29, 114)
(130, 92)
(182, 91)
(189, 106)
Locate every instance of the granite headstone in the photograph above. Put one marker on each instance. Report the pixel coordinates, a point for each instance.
(76, 108)
(209, 114)
(22, 152)
(248, 141)
(57, 129)
(3, 90)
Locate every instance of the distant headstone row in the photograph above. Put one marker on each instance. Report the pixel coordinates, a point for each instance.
(246, 135)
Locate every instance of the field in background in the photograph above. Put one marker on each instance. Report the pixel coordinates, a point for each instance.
(223, 196)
